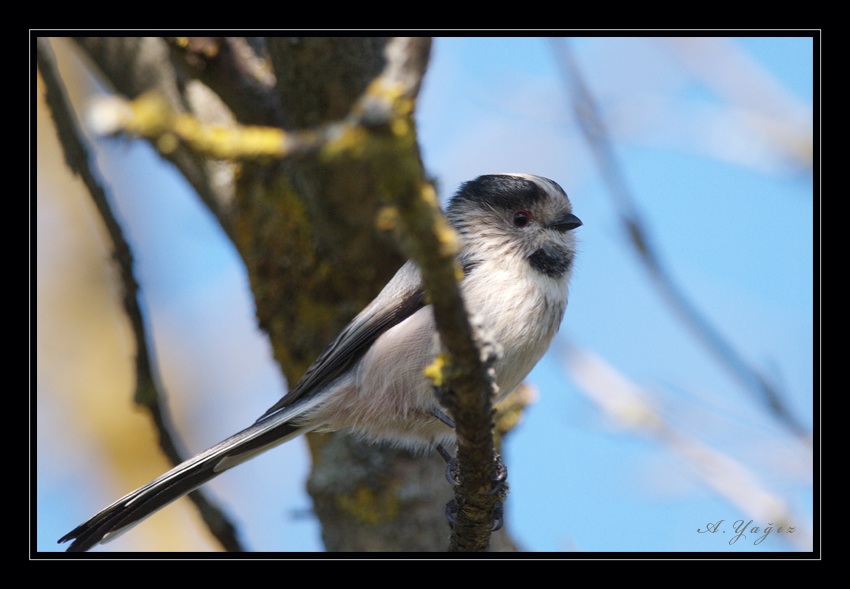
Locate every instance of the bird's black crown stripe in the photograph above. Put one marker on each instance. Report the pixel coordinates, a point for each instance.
(505, 191)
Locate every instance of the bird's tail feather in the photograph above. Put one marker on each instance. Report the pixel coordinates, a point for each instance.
(182, 479)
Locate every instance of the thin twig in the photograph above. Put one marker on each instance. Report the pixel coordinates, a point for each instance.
(639, 237)
(231, 69)
(133, 66)
(628, 404)
(147, 392)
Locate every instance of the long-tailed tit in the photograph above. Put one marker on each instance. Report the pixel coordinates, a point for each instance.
(517, 258)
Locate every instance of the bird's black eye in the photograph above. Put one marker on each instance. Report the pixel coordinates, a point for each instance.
(521, 218)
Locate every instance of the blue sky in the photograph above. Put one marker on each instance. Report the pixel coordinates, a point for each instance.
(708, 136)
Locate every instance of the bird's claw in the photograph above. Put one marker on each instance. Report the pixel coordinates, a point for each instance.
(451, 465)
(501, 475)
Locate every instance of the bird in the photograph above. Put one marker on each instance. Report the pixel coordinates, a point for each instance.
(517, 251)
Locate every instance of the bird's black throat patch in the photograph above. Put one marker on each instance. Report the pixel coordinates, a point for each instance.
(551, 261)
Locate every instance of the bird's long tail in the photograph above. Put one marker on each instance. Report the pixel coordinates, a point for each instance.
(182, 479)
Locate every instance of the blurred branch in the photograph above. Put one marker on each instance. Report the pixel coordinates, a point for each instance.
(626, 403)
(147, 392)
(232, 69)
(639, 237)
(757, 98)
(386, 103)
(132, 66)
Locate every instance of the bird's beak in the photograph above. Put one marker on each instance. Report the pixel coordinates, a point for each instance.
(566, 223)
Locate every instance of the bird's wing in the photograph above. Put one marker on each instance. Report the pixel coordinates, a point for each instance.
(400, 298)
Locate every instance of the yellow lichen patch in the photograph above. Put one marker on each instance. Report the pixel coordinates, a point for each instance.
(230, 142)
(148, 115)
(392, 94)
(151, 117)
(369, 507)
(206, 46)
(387, 218)
(429, 195)
(352, 137)
(509, 411)
(400, 126)
(436, 370)
(167, 143)
(348, 139)
(446, 238)
(459, 275)
(247, 141)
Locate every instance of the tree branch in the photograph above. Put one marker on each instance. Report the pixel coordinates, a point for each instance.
(232, 69)
(640, 239)
(147, 392)
(625, 402)
(133, 66)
